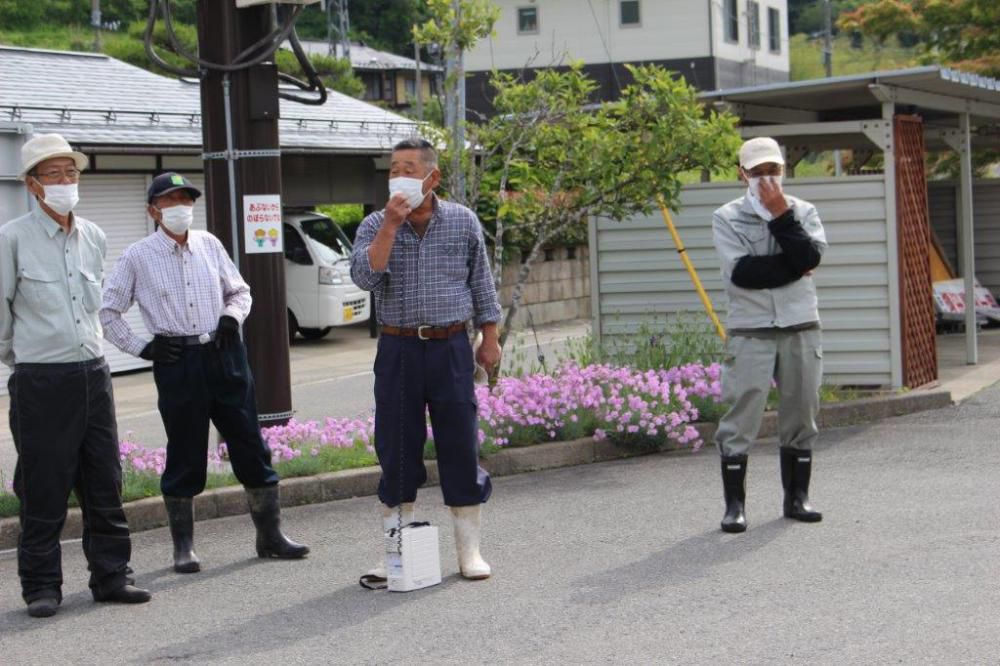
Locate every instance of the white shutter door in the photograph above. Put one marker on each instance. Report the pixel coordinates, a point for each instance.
(200, 219)
(117, 204)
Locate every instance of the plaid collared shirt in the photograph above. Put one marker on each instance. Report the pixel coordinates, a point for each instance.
(436, 280)
(181, 290)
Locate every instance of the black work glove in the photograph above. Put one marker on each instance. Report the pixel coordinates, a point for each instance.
(166, 351)
(227, 333)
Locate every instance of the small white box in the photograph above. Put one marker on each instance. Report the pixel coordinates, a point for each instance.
(419, 565)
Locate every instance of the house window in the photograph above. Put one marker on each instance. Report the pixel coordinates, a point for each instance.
(411, 88)
(753, 24)
(629, 11)
(774, 29)
(527, 20)
(373, 86)
(732, 22)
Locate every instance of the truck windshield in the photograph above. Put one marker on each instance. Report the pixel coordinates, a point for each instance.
(325, 239)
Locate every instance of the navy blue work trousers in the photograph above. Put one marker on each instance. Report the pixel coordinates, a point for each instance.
(210, 385)
(412, 377)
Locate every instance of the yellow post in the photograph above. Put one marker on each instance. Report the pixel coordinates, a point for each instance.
(682, 251)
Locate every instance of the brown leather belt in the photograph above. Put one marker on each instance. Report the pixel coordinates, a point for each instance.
(425, 332)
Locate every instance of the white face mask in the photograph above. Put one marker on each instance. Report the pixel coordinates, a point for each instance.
(411, 188)
(754, 183)
(753, 190)
(177, 219)
(61, 198)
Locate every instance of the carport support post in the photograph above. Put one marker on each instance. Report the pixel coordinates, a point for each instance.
(223, 32)
(968, 243)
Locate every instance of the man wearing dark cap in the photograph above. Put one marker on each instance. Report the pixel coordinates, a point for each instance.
(193, 300)
(62, 410)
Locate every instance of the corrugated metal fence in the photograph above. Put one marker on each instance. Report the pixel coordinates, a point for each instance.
(637, 276)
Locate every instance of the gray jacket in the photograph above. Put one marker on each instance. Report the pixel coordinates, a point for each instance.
(738, 231)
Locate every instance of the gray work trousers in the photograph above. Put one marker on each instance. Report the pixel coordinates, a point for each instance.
(792, 358)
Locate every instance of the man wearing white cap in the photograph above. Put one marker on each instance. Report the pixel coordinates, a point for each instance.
(769, 243)
(62, 413)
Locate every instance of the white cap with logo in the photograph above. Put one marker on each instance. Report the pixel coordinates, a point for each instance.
(760, 150)
(46, 147)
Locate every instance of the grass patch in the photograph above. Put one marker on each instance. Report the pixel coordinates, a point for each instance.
(806, 57)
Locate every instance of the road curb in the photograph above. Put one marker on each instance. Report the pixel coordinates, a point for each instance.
(149, 513)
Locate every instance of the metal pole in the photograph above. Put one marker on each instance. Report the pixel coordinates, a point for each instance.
(838, 168)
(968, 249)
(240, 140)
(234, 227)
(419, 84)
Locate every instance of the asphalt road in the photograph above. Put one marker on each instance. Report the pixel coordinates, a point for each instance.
(619, 562)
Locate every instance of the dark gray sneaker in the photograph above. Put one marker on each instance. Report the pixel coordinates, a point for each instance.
(44, 607)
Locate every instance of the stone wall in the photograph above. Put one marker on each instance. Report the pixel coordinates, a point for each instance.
(558, 288)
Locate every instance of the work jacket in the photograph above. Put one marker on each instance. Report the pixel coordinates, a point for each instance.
(774, 288)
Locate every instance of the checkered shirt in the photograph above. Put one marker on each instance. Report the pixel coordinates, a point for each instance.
(181, 290)
(436, 280)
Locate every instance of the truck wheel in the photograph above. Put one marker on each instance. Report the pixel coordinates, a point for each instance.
(314, 333)
(293, 326)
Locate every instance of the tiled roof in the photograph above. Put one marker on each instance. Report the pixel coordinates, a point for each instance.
(95, 100)
(365, 57)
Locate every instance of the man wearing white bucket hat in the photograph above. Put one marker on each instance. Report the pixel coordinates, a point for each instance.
(768, 244)
(62, 413)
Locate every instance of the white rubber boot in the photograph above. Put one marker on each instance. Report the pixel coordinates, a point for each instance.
(470, 562)
(390, 521)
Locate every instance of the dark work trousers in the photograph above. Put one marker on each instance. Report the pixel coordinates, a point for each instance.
(412, 376)
(210, 385)
(62, 417)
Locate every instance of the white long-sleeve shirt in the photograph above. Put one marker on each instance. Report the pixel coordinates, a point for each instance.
(182, 290)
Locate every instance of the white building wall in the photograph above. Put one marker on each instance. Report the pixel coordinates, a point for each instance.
(589, 30)
(741, 52)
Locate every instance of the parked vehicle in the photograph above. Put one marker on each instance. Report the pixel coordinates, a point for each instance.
(319, 289)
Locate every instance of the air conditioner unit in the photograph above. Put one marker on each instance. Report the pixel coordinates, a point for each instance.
(251, 3)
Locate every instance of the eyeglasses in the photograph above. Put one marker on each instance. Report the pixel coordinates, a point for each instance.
(59, 174)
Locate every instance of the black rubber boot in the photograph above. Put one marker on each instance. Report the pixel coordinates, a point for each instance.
(126, 594)
(180, 513)
(796, 469)
(265, 509)
(734, 474)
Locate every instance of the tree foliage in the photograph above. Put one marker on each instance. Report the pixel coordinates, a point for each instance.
(879, 20)
(550, 159)
(960, 33)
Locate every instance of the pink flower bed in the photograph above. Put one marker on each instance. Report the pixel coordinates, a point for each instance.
(608, 401)
(598, 400)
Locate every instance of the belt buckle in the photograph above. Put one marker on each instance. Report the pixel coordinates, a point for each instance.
(420, 332)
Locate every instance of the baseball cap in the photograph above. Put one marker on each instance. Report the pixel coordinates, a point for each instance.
(760, 150)
(169, 182)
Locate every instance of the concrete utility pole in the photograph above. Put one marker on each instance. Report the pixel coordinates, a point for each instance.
(455, 105)
(95, 22)
(828, 37)
(239, 113)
